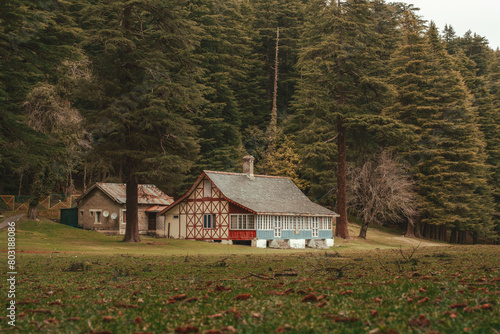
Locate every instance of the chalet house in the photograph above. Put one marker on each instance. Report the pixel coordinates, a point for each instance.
(246, 208)
(102, 208)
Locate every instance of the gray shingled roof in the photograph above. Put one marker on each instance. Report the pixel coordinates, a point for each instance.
(264, 194)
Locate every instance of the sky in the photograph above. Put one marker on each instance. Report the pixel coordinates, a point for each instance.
(480, 16)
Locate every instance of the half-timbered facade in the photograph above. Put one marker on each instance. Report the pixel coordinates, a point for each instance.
(242, 207)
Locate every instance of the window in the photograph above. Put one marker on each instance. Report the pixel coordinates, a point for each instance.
(242, 222)
(207, 188)
(176, 216)
(124, 216)
(81, 212)
(97, 216)
(208, 221)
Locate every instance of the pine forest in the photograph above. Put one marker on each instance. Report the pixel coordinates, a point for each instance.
(371, 110)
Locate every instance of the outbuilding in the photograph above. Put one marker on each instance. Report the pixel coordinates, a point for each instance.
(102, 208)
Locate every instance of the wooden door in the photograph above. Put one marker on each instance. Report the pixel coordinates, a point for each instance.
(152, 221)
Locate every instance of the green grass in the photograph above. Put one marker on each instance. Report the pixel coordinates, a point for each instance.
(81, 284)
(46, 236)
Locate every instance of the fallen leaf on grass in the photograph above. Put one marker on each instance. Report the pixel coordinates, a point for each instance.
(229, 329)
(242, 296)
(347, 292)
(138, 320)
(421, 321)
(309, 298)
(213, 331)
(190, 300)
(56, 302)
(107, 318)
(179, 297)
(187, 329)
(215, 316)
(321, 304)
(423, 300)
(337, 318)
(459, 305)
(51, 321)
(73, 319)
(126, 305)
(221, 288)
(478, 308)
(237, 314)
(283, 329)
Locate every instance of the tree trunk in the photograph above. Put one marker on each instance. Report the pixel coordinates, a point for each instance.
(32, 209)
(461, 237)
(418, 229)
(425, 231)
(410, 229)
(132, 227)
(453, 236)
(341, 226)
(20, 184)
(444, 233)
(363, 229)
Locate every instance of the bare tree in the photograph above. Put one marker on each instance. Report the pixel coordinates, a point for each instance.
(380, 191)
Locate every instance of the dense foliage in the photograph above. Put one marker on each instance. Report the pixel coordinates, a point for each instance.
(156, 91)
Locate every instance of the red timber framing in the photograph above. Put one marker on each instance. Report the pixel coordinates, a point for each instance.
(240, 234)
(196, 205)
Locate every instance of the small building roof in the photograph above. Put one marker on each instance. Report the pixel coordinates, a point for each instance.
(262, 194)
(147, 193)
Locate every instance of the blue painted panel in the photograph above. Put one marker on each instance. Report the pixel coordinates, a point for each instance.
(265, 234)
(325, 234)
(290, 234)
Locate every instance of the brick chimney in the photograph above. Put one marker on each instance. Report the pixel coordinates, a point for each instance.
(248, 165)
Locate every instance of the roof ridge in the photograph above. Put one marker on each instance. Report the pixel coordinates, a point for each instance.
(233, 173)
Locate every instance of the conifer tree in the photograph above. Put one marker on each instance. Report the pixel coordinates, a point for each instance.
(225, 60)
(448, 159)
(37, 38)
(146, 80)
(470, 58)
(340, 89)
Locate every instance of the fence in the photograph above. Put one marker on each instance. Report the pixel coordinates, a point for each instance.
(48, 207)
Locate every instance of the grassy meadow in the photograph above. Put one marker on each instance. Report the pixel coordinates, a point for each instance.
(75, 281)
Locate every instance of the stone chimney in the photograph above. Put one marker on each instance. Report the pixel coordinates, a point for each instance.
(248, 165)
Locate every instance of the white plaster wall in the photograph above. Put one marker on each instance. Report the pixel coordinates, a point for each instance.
(329, 242)
(259, 243)
(297, 243)
(174, 223)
